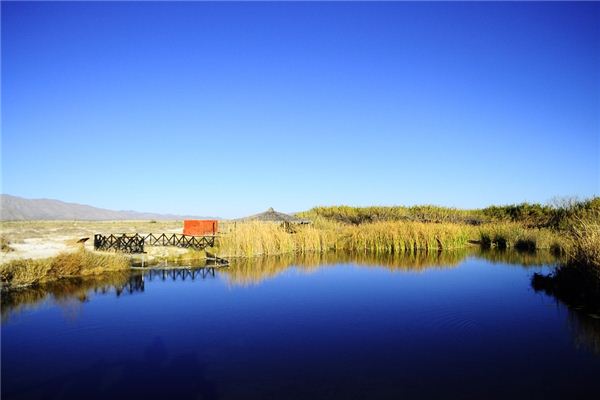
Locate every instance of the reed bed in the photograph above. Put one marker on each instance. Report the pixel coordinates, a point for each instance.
(513, 235)
(69, 264)
(388, 237)
(362, 215)
(558, 215)
(584, 249)
(406, 237)
(265, 238)
(262, 238)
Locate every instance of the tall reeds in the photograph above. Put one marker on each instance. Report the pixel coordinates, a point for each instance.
(262, 238)
(513, 235)
(403, 237)
(265, 238)
(584, 249)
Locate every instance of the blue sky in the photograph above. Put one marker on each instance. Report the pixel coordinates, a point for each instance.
(228, 109)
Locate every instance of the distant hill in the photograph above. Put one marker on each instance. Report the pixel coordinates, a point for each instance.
(18, 208)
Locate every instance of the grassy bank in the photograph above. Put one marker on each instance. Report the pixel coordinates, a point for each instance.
(69, 264)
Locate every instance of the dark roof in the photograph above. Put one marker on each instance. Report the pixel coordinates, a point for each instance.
(272, 216)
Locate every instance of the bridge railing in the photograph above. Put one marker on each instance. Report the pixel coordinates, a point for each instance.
(135, 243)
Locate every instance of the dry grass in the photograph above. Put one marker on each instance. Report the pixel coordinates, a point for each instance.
(584, 246)
(406, 237)
(391, 237)
(264, 238)
(259, 238)
(79, 263)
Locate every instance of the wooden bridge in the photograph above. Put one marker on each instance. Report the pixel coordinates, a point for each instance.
(134, 243)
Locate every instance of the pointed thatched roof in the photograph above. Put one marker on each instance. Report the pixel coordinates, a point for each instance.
(273, 216)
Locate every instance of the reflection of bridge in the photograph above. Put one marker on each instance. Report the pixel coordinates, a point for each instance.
(180, 273)
(136, 283)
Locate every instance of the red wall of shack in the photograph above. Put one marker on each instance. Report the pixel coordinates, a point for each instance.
(198, 227)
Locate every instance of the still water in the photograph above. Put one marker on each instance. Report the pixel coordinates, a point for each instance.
(454, 325)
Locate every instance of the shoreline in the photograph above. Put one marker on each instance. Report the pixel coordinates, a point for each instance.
(37, 249)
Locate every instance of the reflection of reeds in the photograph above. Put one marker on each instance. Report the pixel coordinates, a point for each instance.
(78, 263)
(580, 293)
(61, 291)
(247, 271)
(522, 258)
(586, 330)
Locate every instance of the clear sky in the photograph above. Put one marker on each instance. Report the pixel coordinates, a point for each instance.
(228, 109)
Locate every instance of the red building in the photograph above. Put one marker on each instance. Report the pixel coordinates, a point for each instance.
(200, 227)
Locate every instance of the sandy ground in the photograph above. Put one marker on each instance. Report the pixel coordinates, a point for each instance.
(41, 239)
(36, 248)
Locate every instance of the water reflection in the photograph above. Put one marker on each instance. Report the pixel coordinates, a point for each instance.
(252, 271)
(255, 270)
(64, 291)
(579, 293)
(249, 271)
(583, 322)
(520, 258)
(175, 274)
(374, 327)
(67, 293)
(586, 330)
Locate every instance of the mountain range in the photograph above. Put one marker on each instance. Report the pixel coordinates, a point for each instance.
(13, 208)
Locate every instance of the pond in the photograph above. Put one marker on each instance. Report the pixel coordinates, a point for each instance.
(453, 325)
